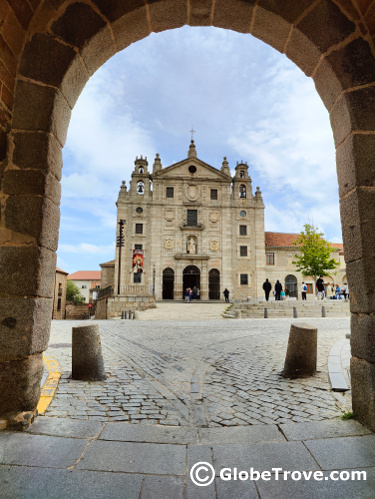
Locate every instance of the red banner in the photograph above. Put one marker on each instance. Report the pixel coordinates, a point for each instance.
(137, 260)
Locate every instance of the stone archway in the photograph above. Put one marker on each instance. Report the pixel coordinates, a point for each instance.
(57, 46)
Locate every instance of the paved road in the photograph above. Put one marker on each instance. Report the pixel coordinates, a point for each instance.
(195, 371)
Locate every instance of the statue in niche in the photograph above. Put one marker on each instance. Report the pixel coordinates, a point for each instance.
(192, 246)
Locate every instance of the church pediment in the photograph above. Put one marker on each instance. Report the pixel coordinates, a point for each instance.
(192, 169)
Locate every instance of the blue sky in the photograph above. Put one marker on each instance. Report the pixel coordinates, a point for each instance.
(245, 101)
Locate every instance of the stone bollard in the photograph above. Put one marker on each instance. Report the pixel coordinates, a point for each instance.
(265, 313)
(301, 355)
(87, 359)
(295, 313)
(130, 314)
(237, 314)
(323, 311)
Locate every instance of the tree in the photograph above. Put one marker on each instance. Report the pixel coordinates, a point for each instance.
(314, 257)
(73, 293)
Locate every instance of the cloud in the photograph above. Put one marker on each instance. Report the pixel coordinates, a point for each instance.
(84, 248)
(245, 101)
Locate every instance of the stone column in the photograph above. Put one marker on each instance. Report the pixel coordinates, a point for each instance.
(28, 266)
(356, 172)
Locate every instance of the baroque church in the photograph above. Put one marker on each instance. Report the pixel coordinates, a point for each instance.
(189, 225)
(192, 225)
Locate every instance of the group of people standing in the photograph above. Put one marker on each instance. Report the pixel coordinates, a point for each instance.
(192, 294)
(331, 291)
(278, 290)
(323, 290)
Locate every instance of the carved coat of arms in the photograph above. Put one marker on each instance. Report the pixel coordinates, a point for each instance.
(214, 216)
(168, 243)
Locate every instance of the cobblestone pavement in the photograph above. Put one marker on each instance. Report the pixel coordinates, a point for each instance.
(203, 372)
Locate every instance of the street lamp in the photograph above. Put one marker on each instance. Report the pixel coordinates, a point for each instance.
(120, 242)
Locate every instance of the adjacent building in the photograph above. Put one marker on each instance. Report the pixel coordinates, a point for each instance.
(88, 283)
(59, 296)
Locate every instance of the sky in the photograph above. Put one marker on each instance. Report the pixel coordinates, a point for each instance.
(244, 100)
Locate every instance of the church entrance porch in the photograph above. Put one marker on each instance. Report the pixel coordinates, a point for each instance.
(168, 284)
(191, 278)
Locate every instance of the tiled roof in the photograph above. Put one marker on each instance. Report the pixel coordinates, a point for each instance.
(285, 240)
(280, 239)
(86, 275)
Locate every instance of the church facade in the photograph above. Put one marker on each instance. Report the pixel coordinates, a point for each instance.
(189, 225)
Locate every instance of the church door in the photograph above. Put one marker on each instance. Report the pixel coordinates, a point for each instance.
(168, 283)
(214, 284)
(291, 286)
(191, 278)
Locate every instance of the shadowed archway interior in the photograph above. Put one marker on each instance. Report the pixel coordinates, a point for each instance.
(54, 48)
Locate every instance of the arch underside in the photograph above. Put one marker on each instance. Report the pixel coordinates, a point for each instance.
(57, 45)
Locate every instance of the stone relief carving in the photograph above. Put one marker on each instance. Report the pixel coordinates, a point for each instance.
(214, 216)
(214, 245)
(192, 192)
(169, 215)
(168, 243)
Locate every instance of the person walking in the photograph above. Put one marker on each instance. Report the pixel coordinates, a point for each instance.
(187, 295)
(304, 291)
(278, 289)
(267, 289)
(320, 288)
(226, 295)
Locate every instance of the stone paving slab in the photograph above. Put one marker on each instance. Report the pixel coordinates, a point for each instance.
(130, 457)
(343, 453)
(38, 483)
(323, 429)
(285, 455)
(61, 427)
(166, 487)
(240, 435)
(159, 434)
(40, 450)
(238, 490)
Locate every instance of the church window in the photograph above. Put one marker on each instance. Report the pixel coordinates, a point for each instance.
(192, 169)
(141, 188)
(213, 193)
(192, 218)
(242, 174)
(243, 250)
(242, 191)
(243, 230)
(139, 228)
(137, 277)
(242, 213)
(138, 246)
(141, 170)
(270, 258)
(170, 192)
(244, 279)
(59, 304)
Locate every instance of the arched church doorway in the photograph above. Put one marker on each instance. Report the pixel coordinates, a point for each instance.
(214, 284)
(191, 278)
(168, 283)
(291, 285)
